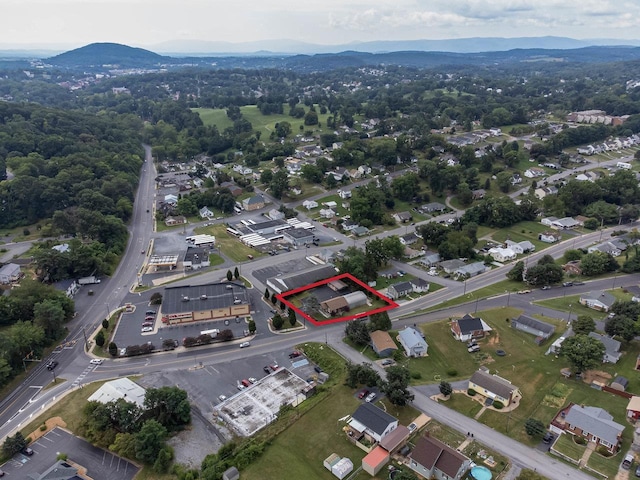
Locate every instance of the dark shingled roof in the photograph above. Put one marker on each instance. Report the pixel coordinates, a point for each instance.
(494, 384)
(431, 453)
(203, 297)
(299, 279)
(373, 418)
(469, 324)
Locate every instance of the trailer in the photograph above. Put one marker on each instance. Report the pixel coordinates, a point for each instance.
(88, 280)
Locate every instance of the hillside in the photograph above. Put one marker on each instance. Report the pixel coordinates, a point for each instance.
(97, 54)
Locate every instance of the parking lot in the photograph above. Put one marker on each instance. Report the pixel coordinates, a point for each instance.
(100, 464)
(205, 385)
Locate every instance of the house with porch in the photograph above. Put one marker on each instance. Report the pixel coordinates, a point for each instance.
(594, 424)
(549, 237)
(500, 254)
(372, 422)
(612, 347)
(597, 300)
(413, 342)
(430, 458)
(493, 387)
(468, 327)
(470, 270)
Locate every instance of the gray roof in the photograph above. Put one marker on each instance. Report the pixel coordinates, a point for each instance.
(9, 269)
(266, 224)
(194, 255)
(254, 200)
(472, 268)
(603, 297)
(535, 324)
(298, 233)
(433, 206)
(373, 418)
(402, 287)
(60, 470)
(452, 264)
(202, 297)
(494, 384)
(595, 421)
(293, 280)
(355, 299)
(612, 346)
(410, 337)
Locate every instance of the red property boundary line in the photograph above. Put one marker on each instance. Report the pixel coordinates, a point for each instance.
(283, 298)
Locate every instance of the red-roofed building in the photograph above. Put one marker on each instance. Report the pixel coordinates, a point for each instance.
(375, 460)
(433, 459)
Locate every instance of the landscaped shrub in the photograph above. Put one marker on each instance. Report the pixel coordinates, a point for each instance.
(498, 405)
(602, 450)
(579, 440)
(471, 392)
(416, 375)
(452, 372)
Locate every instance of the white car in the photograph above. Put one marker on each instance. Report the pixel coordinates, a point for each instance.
(371, 397)
(147, 329)
(96, 361)
(252, 379)
(244, 344)
(222, 398)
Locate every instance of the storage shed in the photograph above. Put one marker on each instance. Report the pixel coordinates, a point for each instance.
(375, 460)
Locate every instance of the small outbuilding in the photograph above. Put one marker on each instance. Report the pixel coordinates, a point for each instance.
(231, 473)
(620, 383)
(375, 461)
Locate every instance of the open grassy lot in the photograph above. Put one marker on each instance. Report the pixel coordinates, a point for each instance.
(498, 288)
(522, 231)
(463, 404)
(571, 303)
(228, 245)
(606, 465)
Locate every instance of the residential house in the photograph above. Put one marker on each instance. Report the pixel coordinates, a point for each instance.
(634, 290)
(411, 253)
(430, 458)
(587, 177)
(344, 194)
(478, 194)
(327, 213)
(470, 270)
(398, 290)
(468, 327)
(309, 204)
(402, 217)
(516, 179)
(500, 254)
(606, 247)
(533, 172)
(612, 347)
(372, 422)
(382, 343)
(253, 203)
(62, 248)
(234, 189)
(206, 213)
(330, 204)
(275, 214)
(359, 231)
(69, 287)
(344, 303)
(10, 273)
(492, 386)
(430, 259)
(541, 330)
(542, 192)
(413, 342)
(171, 199)
(450, 266)
(420, 285)
(349, 225)
(594, 425)
(549, 237)
(171, 221)
(597, 300)
(520, 247)
(433, 207)
(633, 408)
(409, 239)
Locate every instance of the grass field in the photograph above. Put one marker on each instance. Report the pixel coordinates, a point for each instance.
(571, 449)
(571, 303)
(263, 123)
(463, 404)
(522, 231)
(228, 245)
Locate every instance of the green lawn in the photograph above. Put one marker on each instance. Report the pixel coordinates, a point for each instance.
(608, 466)
(522, 231)
(571, 303)
(215, 260)
(567, 446)
(463, 404)
(228, 245)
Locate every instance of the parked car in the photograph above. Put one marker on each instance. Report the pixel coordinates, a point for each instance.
(96, 361)
(27, 451)
(150, 312)
(266, 369)
(241, 386)
(363, 393)
(274, 367)
(244, 344)
(246, 382)
(567, 284)
(548, 437)
(295, 354)
(387, 362)
(412, 426)
(317, 369)
(1, 473)
(638, 471)
(52, 364)
(252, 379)
(473, 349)
(222, 398)
(546, 287)
(149, 318)
(628, 460)
(147, 324)
(147, 329)
(371, 397)
(522, 292)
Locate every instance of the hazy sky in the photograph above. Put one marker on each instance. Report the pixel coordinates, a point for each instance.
(148, 22)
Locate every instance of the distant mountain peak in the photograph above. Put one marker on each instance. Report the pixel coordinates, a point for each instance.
(106, 54)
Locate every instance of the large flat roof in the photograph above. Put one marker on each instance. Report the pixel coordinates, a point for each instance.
(193, 298)
(293, 280)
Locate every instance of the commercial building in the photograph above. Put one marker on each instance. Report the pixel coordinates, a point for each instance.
(214, 301)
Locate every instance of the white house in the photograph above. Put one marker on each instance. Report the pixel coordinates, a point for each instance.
(171, 199)
(327, 213)
(372, 421)
(520, 247)
(10, 273)
(309, 204)
(413, 343)
(206, 213)
(549, 237)
(533, 172)
(344, 194)
(500, 254)
(598, 300)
